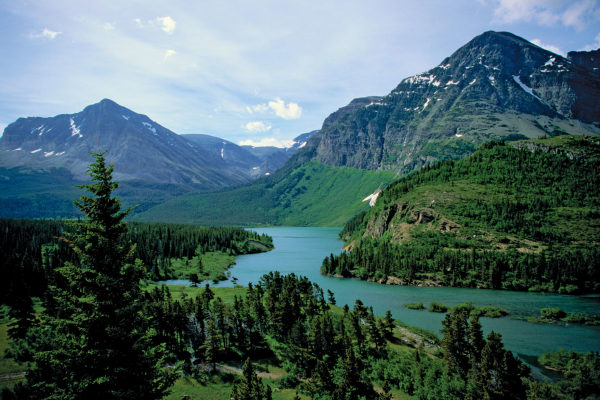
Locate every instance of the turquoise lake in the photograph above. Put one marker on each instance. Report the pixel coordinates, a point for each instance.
(301, 250)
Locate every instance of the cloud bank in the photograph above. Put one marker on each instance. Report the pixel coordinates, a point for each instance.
(166, 24)
(575, 14)
(289, 111)
(256, 126)
(46, 33)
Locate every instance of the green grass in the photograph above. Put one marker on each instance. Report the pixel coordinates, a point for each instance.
(415, 306)
(214, 266)
(312, 194)
(49, 193)
(219, 388)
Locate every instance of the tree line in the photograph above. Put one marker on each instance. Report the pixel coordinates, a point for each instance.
(30, 250)
(534, 195)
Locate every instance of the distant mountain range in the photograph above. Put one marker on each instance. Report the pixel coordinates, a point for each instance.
(498, 86)
(42, 158)
(250, 160)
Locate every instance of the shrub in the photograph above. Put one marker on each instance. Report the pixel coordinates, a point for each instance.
(553, 313)
(434, 306)
(415, 306)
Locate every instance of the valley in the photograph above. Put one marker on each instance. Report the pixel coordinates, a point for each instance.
(471, 189)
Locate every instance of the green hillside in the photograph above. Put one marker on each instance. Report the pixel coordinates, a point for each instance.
(49, 193)
(521, 216)
(300, 195)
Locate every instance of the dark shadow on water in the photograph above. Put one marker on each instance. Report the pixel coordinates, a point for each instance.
(539, 371)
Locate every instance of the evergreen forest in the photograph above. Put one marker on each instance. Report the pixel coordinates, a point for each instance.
(508, 217)
(81, 318)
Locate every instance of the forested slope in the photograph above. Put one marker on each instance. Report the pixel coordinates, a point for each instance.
(30, 251)
(522, 216)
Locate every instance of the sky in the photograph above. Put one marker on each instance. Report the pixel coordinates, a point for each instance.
(249, 71)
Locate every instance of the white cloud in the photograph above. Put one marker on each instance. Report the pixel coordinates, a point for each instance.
(548, 47)
(282, 144)
(169, 53)
(166, 23)
(547, 12)
(47, 33)
(109, 26)
(256, 126)
(593, 46)
(257, 108)
(139, 23)
(289, 111)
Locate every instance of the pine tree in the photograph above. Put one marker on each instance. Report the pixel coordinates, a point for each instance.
(455, 344)
(99, 342)
(250, 386)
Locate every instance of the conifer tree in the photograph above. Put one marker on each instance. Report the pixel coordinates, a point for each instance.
(99, 342)
(250, 386)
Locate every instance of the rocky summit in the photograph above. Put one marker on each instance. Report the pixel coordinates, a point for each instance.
(140, 148)
(497, 86)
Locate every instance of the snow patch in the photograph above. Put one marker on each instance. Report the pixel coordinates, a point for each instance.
(75, 129)
(189, 144)
(492, 79)
(302, 145)
(126, 118)
(18, 149)
(452, 83)
(255, 167)
(524, 86)
(372, 198)
(470, 83)
(35, 151)
(458, 134)
(550, 61)
(60, 154)
(150, 127)
(420, 79)
(445, 66)
(267, 173)
(222, 152)
(48, 154)
(426, 103)
(39, 128)
(376, 103)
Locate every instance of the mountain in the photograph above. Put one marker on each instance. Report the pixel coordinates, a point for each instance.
(234, 156)
(41, 159)
(140, 148)
(250, 160)
(498, 86)
(495, 86)
(524, 216)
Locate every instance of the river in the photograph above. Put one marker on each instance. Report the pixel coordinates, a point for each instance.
(301, 250)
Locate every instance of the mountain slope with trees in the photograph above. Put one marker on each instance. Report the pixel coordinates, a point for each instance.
(520, 217)
(495, 86)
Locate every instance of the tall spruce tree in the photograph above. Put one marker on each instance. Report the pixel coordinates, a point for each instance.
(99, 341)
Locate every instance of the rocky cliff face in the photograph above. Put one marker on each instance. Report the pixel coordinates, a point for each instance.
(140, 148)
(587, 59)
(496, 85)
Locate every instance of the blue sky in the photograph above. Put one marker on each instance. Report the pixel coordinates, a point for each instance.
(249, 70)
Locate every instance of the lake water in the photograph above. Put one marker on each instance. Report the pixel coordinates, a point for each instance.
(301, 250)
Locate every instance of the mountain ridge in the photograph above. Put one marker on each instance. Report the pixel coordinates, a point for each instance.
(140, 148)
(496, 85)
